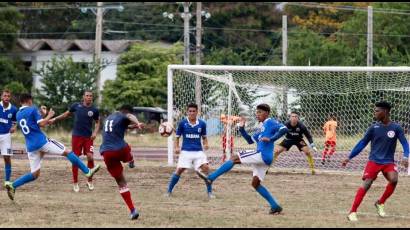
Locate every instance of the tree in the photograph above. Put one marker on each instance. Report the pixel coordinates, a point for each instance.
(141, 78)
(64, 81)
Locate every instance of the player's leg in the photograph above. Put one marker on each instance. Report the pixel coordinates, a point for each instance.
(224, 168)
(174, 180)
(201, 162)
(305, 149)
(259, 172)
(6, 152)
(77, 149)
(89, 151)
(325, 151)
(113, 160)
(369, 175)
(278, 150)
(392, 177)
(332, 148)
(184, 162)
(35, 159)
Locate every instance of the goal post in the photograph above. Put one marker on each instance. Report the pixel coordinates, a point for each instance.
(348, 93)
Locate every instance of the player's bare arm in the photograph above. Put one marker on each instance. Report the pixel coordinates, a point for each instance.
(135, 123)
(205, 141)
(46, 120)
(96, 129)
(177, 149)
(60, 117)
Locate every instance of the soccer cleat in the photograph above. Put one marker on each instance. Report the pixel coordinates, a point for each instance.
(203, 177)
(211, 196)
(10, 189)
(134, 215)
(168, 194)
(380, 209)
(76, 188)
(92, 171)
(275, 211)
(90, 185)
(352, 217)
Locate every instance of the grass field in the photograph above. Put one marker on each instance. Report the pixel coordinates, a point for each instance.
(321, 200)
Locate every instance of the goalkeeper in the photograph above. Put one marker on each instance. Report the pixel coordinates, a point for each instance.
(294, 136)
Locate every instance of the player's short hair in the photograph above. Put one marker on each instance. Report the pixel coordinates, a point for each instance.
(127, 108)
(384, 104)
(6, 91)
(192, 105)
(25, 97)
(295, 112)
(87, 91)
(264, 107)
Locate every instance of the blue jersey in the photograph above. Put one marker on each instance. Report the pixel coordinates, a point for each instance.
(28, 119)
(271, 129)
(114, 130)
(191, 134)
(383, 140)
(83, 119)
(7, 118)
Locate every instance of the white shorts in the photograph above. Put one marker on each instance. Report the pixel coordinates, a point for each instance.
(5, 145)
(52, 147)
(254, 159)
(191, 159)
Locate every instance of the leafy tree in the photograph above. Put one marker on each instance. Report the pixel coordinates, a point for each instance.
(64, 81)
(13, 71)
(141, 77)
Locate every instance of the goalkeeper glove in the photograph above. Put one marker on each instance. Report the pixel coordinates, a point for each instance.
(312, 145)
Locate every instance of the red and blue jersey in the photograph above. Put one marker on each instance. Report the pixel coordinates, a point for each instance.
(7, 118)
(83, 119)
(28, 118)
(191, 134)
(383, 140)
(114, 130)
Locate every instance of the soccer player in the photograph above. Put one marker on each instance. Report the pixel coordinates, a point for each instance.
(83, 136)
(115, 150)
(261, 158)
(330, 143)
(7, 126)
(383, 136)
(227, 121)
(294, 136)
(191, 153)
(30, 121)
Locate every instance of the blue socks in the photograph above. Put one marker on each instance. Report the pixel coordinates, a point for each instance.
(173, 182)
(209, 188)
(77, 162)
(7, 170)
(23, 180)
(266, 194)
(227, 166)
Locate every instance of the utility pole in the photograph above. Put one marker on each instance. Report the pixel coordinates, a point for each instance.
(285, 62)
(98, 41)
(369, 36)
(187, 17)
(198, 84)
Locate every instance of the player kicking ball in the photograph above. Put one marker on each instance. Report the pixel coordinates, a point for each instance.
(115, 150)
(261, 158)
(191, 154)
(383, 136)
(30, 121)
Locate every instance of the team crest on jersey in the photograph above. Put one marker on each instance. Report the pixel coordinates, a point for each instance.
(199, 130)
(262, 128)
(391, 134)
(297, 130)
(90, 113)
(10, 115)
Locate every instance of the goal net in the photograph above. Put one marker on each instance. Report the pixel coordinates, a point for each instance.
(224, 93)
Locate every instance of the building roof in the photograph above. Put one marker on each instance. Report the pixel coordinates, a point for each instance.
(63, 45)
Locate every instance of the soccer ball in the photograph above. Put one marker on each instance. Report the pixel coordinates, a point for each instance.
(165, 129)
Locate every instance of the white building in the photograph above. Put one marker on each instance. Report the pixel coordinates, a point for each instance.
(34, 52)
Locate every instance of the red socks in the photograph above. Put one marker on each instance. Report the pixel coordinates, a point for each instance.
(361, 192)
(388, 192)
(126, 195)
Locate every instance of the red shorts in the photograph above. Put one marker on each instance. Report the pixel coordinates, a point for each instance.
(372, 169)
(113, 160)
(82, 145)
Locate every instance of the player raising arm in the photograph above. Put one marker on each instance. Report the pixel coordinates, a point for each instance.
(260, 159)
(383, 136)
(30, 122)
